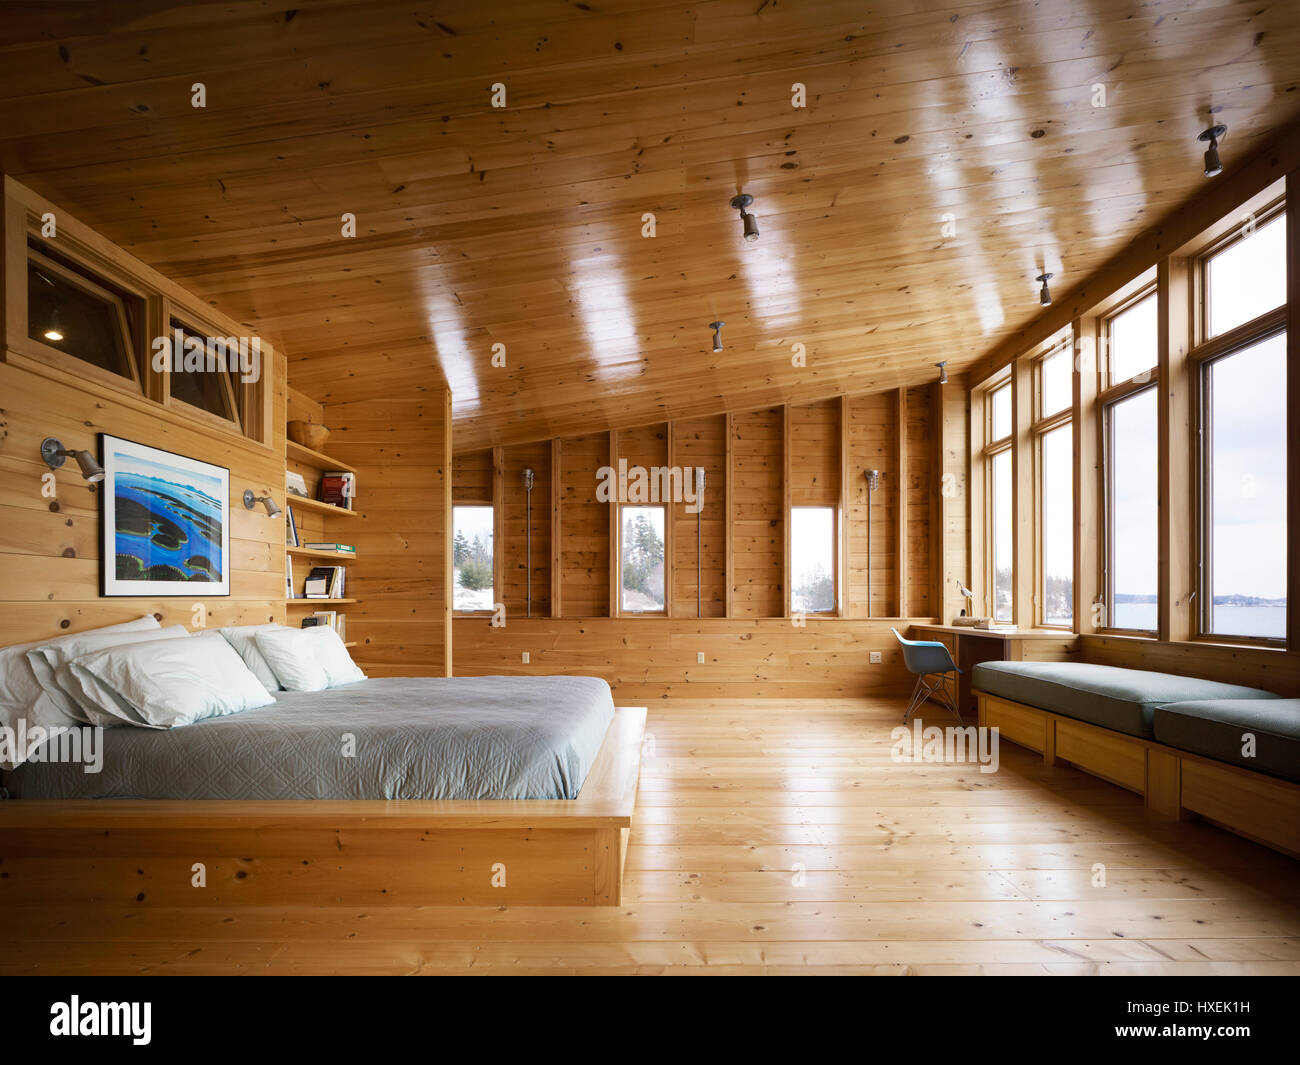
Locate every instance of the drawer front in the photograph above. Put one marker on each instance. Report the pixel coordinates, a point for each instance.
(1111, 756)
(1017, 723)
(1254, 805)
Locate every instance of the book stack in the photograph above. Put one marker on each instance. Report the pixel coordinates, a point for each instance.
(325, 582)
(330, 618)
(337, 549)
(338, 488)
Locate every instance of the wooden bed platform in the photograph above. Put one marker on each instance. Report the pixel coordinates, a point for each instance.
(542, 852)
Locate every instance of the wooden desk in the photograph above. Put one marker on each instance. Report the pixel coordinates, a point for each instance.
(970, 646)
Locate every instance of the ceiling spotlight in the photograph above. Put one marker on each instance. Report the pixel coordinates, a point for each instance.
(251, 499)
(717, 334)
(55, 455)
(1212, 164)
(1044, 296)
(943, 372)
(751, 223)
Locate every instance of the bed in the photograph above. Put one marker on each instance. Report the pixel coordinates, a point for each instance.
(388, 738)
(483, 790)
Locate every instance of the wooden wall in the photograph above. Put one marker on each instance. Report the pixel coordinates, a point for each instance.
(654, 657)
(402, 574)
(50, 545)
(758, 463)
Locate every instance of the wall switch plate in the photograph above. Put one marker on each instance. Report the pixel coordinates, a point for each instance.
(875, 658)
(699, 657)
(525, 658)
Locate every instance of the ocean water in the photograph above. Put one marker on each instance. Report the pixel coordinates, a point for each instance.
(1267, 621)
(165, 531)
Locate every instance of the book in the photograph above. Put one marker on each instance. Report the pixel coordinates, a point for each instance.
(290, 528)
(342, 549)
(289, 593)
(325, 582)
(295, 484)
(338, 488)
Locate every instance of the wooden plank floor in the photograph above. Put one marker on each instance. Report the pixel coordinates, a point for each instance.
(780, 837)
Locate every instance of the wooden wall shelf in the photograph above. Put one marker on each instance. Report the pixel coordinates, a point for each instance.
(306, 552)
(319, 602)
(317, 505)
(318, 459)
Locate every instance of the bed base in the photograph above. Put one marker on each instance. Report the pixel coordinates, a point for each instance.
(1173, 783)
(536, 852)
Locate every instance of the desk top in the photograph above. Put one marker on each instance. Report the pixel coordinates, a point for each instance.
(999, 634)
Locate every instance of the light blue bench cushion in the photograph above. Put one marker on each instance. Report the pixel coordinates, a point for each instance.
(1214, 728)
(1114, 698)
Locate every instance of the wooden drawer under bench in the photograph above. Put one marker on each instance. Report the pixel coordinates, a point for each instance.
(1173, 783)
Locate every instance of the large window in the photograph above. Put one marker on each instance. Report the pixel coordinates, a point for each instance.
(812, 560)
(1244, 489)
(472, 558)
(1000, 492)
(1056, 524)
(641, 559)
(1131, 463)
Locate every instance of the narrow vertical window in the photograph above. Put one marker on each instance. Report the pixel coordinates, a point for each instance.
(1056, 494)
(472, 558)
(641, 559)
(1001, 494)
(1132, 512)
(812, 560)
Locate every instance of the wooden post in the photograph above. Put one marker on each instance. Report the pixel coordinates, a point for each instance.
(1176, 524)
(900, 480)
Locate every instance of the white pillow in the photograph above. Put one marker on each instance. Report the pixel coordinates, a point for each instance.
(47, 660)
(333, 657)
(170, 683)
(21, 695)
(291, 654)
(241, 639)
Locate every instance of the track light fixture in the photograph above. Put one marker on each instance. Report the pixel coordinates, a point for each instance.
(251, 499)
(55, 455)
(1212, 164)
(717, 334)
(751, 223)
(943, 372)
(1044, 296)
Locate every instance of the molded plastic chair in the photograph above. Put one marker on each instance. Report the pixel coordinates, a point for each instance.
(930, 659)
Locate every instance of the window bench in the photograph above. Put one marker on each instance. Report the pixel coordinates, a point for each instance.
(1173, 740)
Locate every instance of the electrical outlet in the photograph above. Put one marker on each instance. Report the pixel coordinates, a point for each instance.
(699, 657)
(525, 658)
(875, 658)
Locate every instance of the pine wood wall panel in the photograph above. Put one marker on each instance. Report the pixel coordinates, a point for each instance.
(513, 548)
(757, 514)
(873, 444)
(584, 545)
(403, 536)
(919, 500)
(471, 477)
(653, 658)
(700, 554)
(49, 548)
(815, 454)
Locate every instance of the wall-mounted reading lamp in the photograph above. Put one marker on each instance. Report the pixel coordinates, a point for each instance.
(873, 482)
(251, 499)
(528, 526)
(55, 455)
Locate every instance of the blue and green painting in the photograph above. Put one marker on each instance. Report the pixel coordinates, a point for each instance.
(167, 522)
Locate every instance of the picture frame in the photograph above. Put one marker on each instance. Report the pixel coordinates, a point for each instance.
(164, 523)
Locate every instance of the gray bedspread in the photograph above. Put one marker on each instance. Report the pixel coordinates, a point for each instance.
(414, 738)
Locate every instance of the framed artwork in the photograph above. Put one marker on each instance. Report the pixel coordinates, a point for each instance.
(164, 523)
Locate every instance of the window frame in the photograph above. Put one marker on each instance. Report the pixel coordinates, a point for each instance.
(835, 607)
(179, 318)
(616, 549)
(1152, 373)
(477, 504)
(1208, 350)
(1041, 425)
(1105, 407)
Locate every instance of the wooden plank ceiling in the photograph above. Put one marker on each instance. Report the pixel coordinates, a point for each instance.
(522, 225)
